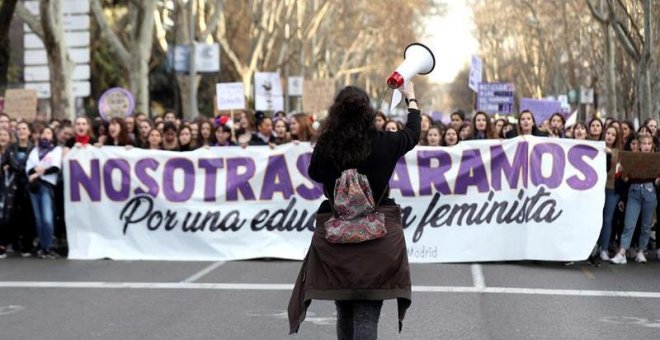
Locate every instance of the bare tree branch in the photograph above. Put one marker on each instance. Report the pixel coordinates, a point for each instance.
(30, 19)
(116, 44)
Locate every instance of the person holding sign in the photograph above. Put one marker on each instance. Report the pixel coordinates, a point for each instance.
(641, 201)
(357, 276)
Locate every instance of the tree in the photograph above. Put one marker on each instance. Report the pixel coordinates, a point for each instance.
(134, 52)
(6, 14)
(48, 27)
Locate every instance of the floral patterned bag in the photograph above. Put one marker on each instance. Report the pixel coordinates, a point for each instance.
(355, 219)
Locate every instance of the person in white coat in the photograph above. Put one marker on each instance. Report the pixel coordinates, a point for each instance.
(43, 165)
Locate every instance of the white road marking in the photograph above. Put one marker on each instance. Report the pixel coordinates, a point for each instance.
(203, 272)
(11, 309)
(478, 276)
(289, 287)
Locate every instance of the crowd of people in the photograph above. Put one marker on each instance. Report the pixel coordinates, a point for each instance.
(31, 189)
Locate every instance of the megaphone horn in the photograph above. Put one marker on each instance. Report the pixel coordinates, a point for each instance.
(418, 60)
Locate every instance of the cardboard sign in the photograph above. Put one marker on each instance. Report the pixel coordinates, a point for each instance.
(116, 102)
(230, 96)
(21, 103)
(476, 73)
(541, 108)
(318, 95)
(295, 86)
(640, 164)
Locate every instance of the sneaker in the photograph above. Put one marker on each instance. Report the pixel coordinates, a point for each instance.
(51, 255)
(604, 256)
(640, 258)
(3, 253)
(593, 261)
(26, 254)
(619, 259)
(41, 254)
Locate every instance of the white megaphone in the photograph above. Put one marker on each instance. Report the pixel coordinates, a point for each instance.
(418, 59)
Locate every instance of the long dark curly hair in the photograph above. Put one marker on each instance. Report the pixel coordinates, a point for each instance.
(347, 132)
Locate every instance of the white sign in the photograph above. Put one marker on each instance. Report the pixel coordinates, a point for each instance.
(42, 73)
(517, 199)
(207, 57)
(269, 103)
(295, 86)
(563, 99)
(80, 89)
(476, 73)
(586, 95)
(40, 57)
(230, 96)
(267, 83)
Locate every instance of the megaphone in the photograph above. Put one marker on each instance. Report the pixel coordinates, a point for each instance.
(418, 60)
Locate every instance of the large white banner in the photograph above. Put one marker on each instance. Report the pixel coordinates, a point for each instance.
(532, 198)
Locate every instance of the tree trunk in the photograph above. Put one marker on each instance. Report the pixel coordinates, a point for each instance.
(141, 54)
(647, 58)
(612, 110)
(183, 81)
(6, 13)
(59, 63)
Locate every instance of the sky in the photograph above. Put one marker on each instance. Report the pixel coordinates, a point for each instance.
(451, 40)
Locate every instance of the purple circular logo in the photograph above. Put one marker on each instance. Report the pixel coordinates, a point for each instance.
(116, 102)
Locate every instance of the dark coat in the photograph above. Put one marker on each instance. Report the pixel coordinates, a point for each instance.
(11, 180)
(371, 270)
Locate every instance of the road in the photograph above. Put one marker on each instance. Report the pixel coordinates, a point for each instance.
(62, 299)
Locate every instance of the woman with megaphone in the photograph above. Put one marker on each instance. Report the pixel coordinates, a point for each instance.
(357, 255)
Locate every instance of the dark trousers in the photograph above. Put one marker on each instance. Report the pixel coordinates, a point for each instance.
(20, 231)
(358, 319)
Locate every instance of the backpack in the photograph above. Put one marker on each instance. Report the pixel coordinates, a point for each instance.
(355, 219)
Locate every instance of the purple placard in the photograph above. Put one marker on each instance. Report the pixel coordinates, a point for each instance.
(116, 102)
(542, 109)
(495, 97)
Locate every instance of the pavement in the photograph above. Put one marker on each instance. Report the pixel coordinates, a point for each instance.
(64, 299)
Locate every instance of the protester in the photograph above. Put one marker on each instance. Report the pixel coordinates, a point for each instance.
(580, 131)
(642, 202)
(155, 140)
(169, 116)
(205, 137)
(248, 125)
(170, 140)
(433, 136)
(117, 133)
(527, 125)
(223, 136)
(612, 146)
(498, 127)
(130, 127)
(43, 165)
(464, 132)
(142, 141)
(380, 121)
(481, 127)
(427, 122)
(393, 126)
(100, 128)
(281, 132)
(595, 129)
(185, 139)
(300, 126)
(557, 125)
(264, 134)
(627, 127)
(450, 137)
(349, 140)
(457, 119)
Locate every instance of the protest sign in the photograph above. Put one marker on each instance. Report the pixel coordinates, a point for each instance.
(495, 98)
(318, 95)
(541, 108)
(116, 102)
(230, 96)
(21, 103)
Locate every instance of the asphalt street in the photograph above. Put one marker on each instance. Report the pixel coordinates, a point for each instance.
(62, 299)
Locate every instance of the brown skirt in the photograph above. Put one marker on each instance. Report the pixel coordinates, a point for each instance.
(372, 270)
